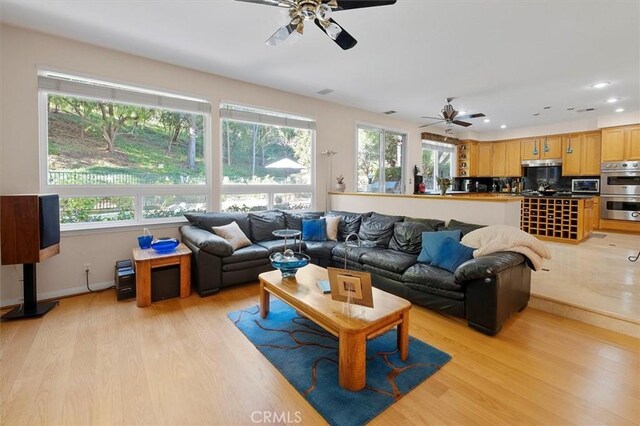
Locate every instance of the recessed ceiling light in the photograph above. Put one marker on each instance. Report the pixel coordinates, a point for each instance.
(612, 100)
(486, 120)
(620, 110)
(600, 84)
(462, 112)
(504, 126)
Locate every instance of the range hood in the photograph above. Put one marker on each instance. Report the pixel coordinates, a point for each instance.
(542, 163)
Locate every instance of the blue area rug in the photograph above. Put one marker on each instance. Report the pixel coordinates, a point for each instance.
(308, 357)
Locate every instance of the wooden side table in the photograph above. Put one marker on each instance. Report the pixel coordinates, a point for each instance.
(147, 259)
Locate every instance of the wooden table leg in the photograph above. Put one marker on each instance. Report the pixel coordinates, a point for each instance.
(185, 276)
(143, 284)
(264, 301)
(352, 348)
(403, 336)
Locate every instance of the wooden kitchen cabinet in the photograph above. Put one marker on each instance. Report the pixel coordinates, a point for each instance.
(499, 150)
(596, 212)
(542, 148)
(581, 154)
(621, 143)
(485, 154)
(513, 162)
(557, 219)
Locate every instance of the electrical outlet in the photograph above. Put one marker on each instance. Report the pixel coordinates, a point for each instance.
(86, 267)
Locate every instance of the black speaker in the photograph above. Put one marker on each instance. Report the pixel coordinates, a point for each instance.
(49, 220)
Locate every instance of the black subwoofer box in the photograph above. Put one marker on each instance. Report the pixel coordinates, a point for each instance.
(125, 280)
(165, 282)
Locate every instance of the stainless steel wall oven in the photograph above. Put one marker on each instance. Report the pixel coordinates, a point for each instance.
(620, 191)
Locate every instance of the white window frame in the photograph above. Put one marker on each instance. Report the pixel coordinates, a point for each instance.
(138, 192)
(275, 118)
(381, 176)
(440, 146)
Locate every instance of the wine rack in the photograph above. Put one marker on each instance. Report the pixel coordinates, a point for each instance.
(467, 152)
(554, 218)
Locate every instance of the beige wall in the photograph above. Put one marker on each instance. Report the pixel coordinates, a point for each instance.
(23, 51)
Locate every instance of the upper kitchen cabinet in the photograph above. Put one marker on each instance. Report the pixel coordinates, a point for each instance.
(485, 157)
(541, 148)
(498, 165)
(581, 154)
(513, 160)
(621, 143)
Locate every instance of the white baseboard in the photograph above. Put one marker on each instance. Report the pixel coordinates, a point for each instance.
(58, 293)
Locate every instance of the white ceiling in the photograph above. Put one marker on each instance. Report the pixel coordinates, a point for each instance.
(508, 59)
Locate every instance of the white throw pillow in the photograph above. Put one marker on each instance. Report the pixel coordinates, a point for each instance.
(332, 227)
(233, 234)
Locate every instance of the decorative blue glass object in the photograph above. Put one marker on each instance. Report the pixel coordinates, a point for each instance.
(164, 245)
(289, 262)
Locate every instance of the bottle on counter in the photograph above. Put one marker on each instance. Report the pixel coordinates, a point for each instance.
(494, 187)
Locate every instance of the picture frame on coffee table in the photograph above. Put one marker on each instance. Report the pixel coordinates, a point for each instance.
(351, 286)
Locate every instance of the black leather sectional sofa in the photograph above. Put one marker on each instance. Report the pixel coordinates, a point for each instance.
(485, 291)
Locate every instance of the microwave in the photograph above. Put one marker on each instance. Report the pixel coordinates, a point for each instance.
(590, 186)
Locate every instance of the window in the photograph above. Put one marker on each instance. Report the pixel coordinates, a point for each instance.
(437, 160)
(380, 161)
(267, 160)
(119, 154)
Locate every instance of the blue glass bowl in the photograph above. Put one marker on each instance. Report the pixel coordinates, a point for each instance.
(289, 267)
(164, 245)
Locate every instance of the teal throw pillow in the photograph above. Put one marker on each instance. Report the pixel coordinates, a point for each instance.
(431, 241)
(451, 255)
(314, 229)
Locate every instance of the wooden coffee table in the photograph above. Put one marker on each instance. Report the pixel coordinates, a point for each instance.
(302, 294)
(147, 259)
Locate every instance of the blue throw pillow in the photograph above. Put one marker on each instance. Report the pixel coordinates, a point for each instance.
(314, 229)
(431, 241)
(451, 255)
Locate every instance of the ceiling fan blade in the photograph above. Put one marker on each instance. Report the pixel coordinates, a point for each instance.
(434, 118)
(281, 35)
(468, 116)
(279, 3)
(461, 123)
(357, 4)
(430, 124)
(343, 39)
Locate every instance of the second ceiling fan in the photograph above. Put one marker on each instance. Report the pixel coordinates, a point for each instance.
(450, 116)
(319, 11)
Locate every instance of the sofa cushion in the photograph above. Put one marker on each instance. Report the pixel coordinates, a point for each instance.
(320, 249)
(293, 219)
(353, 254)
(278, 245)
(378, 229)
(390, 217)
(420, 274)
(333, 222)
(449, 294)
(252, 252)
(431, 243)
(465, 228)
(207, 221)
(242, 266)
(451, 255)
(314, 229)
(233, 234)
(349, 222)
(383, 272)
(264, 223)
(389, 260)
(407, 236)
(434, 224)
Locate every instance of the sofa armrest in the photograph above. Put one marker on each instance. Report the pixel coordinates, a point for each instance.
(206, 241)
(487, 266)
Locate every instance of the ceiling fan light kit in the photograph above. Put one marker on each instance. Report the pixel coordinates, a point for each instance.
(450, 116)
(319, 11)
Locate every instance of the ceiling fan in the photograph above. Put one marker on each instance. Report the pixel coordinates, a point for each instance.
(450, 116)
(320, 11)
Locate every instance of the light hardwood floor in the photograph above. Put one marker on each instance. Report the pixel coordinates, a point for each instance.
(93, 360)
(595, 274)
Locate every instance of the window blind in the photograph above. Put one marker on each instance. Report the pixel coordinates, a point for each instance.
(440, 146)
(105, 91)
(266, 118)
